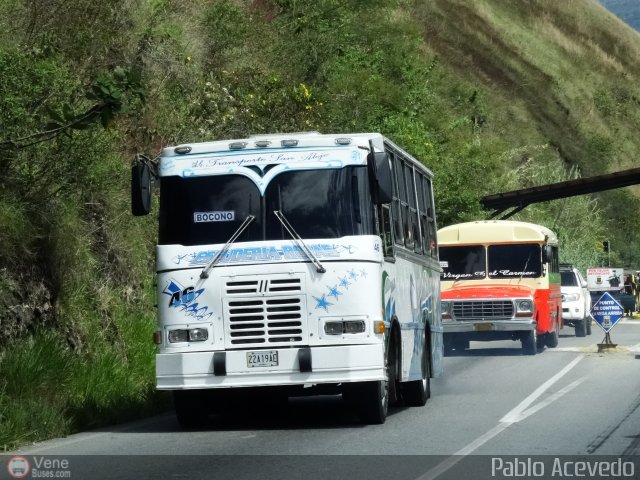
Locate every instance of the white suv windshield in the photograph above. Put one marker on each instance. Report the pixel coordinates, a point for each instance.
(568, 279)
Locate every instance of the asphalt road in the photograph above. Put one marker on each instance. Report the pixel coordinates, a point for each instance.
(492, 405)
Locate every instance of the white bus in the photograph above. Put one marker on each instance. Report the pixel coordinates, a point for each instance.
(294, 264)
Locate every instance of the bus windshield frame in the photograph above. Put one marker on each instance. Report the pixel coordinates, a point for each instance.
(319, 203)
(499, 261)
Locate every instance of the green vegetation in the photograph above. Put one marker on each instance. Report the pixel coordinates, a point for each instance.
(491, 95)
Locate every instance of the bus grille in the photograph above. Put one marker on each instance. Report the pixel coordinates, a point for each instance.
(267, 321)
(284, 285)
(483, 309)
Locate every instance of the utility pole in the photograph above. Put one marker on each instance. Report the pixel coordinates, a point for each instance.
(606, 246)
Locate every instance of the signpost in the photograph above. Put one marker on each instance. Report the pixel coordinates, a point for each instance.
(607, 312)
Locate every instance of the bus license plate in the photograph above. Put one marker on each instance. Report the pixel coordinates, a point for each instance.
(481, 327)
(264, 358)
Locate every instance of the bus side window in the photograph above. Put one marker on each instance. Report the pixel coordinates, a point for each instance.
(414, 204)
(422, 213)
(555, 263)
(405, 192)
(395, 205)
(386, 233)
(431, 218)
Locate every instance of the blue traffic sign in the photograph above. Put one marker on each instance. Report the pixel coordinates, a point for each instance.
(607, 312)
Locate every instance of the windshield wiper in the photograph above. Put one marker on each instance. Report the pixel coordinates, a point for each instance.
(299, 242)
(205, 271)
(526, 264)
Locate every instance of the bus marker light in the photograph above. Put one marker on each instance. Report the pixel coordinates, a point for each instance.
(378, 326)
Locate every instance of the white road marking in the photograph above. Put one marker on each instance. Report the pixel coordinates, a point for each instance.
(519, 413)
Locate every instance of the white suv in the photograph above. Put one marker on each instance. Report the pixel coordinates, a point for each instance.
(576, 300)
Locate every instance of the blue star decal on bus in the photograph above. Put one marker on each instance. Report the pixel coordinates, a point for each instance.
(323, 303)
(363, 273)
(353, 275)
(344, 283)
(334, 292)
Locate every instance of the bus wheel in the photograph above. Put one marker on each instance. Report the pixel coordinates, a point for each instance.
(551, 338)
(190, 408)
(588, 322)
(581, 328)
(417, 392)
(372, 398)
(529, 342)
(392, 371)
(373, 402)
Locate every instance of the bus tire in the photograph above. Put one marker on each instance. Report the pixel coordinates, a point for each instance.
(417, 392)
(551, 338)
(373, 402)
(190, 408)
(392, 370)
(588, 322)
(581, 328)
(529, 341)
(372, 398)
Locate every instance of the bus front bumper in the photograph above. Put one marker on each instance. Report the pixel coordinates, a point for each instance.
(460, 326)
(296, 366)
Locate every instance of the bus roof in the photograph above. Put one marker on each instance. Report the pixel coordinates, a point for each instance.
(274, 142)
(495, 231)
(292, 149)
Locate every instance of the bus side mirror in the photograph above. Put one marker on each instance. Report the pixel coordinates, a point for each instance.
(547, 253)
(140, 187)
(382, 176)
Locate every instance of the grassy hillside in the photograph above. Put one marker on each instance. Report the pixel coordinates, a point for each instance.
(491, 95)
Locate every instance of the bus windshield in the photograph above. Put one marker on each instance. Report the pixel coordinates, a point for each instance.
(319, 204)
(463, 263)
(514, 260)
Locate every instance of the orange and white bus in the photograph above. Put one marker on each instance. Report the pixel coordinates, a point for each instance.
(500, 280)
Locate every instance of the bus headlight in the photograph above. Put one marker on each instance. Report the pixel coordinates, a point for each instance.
(354, 326)
(198, 334)
(524, 307)
(178, 336)
(188, 335)
(333, 328)
(338, 327)
(445, 306)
